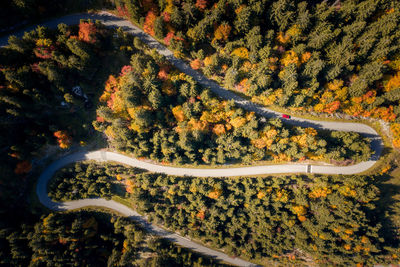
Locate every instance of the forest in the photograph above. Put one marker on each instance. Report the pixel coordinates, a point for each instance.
(38, 105)
(39, 110)
(322, 57)
(151, 110)
(63, 88)
(88, 238)
(79, 181)
(332, 220)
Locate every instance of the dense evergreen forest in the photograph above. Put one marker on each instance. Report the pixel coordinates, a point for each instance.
(57, 87)
(332, 220)
(90, 180)
(310, 56)
(149, 109)
(38, 105)
(154, 111)
(88, 238)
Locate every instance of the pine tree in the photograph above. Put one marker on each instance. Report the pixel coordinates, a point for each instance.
(159, 28)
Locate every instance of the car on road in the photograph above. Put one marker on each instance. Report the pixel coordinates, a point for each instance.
(285, 116)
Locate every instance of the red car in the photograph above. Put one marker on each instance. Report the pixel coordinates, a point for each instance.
(285, 116)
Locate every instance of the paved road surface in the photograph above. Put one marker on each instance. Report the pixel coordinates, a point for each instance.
(113, 21)
(46, 175)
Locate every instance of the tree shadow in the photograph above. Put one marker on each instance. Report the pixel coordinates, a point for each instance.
(388, 207)
(118, 189)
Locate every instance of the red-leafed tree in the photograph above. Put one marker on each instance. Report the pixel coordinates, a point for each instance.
(125, 70)
(100, 119)
(166, 16)
(123, 11)
(44, 52)
(168, 38)
(201, 4)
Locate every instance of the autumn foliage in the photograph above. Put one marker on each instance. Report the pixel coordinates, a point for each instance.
(320, 225)
(241, 52)
(201, 4)
(87, 32)
(148, 26)
(44, 48)
(168, 38)
(125, 70)
(129, 185)
(63, 139)
(196, 64)
(178, 115)
(215, 194)
(222, 32)
(201, 214)
(393, 82)
(123, 11)
(353, 76)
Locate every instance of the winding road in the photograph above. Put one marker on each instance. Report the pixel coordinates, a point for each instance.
(113, 21)
(41, 191)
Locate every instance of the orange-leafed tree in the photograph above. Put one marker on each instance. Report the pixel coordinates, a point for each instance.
(319, 192)
(129, 185)
(166, 16)
(393, 82)
(163, 74)
(243, 85)
(283, 38)
(290, 57)
(87, 32)
(194, 124)
(100, 119)
(178, 113)
(332, 107)
(148, 25)
(222, 32)
(201, 214)
(196, 64)
(305, 57)
(300, 211)
(63, 139)
(215, 194)
(260, 195)
(219, 129)
(237, 122)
